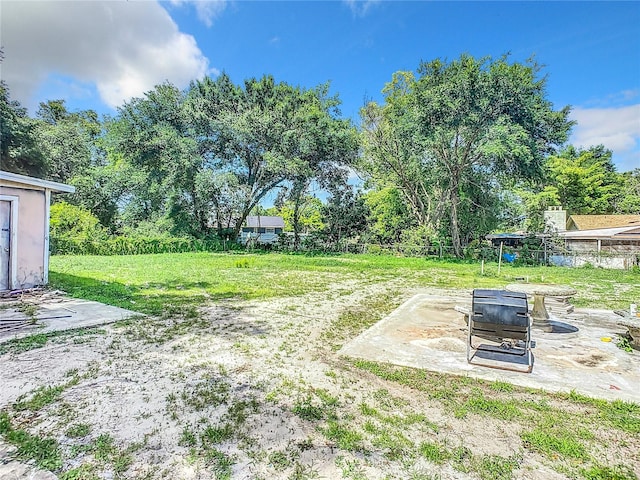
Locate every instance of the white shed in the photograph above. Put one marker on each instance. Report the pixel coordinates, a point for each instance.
(24, 229)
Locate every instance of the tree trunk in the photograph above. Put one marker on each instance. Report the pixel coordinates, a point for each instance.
(238, 226)
(299, 188)
(296, 225)
(455, 227)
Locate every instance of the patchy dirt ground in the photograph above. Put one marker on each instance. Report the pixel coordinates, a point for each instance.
(255, 390)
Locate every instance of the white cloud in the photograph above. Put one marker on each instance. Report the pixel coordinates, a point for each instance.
(123, 48)
(360, 8)
(207, 10)
(616, 128)
(625, 97)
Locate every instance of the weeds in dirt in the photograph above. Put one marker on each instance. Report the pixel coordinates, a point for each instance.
(554, 443)
(624, 343)
(219, 462)
(210, 392)
(488, 467)
(30, 310)
(304, 472)
(374, 418)
(205, 439)
(174, 323)
(39, 340)
(394, 444)
(281, 460)
(25, 344)
(495, 467)
(565, 439)
(504, 409)
(40, 398)
(618, 414)
(434, 452)
(86, 471)
(351, 469)
(78, 430)
(315, 405)
(617, 472)
(106, 454)
(105, 450)
(44, 452)
(214, 435)
(346, 438)
(354, 321)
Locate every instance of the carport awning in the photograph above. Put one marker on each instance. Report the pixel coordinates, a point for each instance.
(617, 233)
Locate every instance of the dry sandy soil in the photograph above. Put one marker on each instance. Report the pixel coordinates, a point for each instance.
(255, 390)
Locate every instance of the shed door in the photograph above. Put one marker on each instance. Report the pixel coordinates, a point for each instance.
(5, 242)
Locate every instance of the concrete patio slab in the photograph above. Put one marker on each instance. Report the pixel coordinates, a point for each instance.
(426, 332)
(63, 314)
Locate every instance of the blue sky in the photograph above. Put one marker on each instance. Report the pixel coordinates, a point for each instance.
(99, 54)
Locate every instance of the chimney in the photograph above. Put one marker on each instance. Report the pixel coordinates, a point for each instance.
(555, 219)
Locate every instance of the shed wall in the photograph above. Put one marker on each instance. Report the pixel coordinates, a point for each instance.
(582, 245)
(31, 236)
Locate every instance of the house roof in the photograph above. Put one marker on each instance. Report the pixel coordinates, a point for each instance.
(616, 233)
(264, 221)
(591, 222)
(23, 180)
(505, 235)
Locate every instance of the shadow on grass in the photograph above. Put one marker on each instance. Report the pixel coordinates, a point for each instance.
(188, 308)
(151, 299)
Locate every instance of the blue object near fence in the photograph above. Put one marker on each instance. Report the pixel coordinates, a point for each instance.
(509, 257)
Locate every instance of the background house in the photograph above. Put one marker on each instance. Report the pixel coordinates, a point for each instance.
(24, 229)
(261, 229)
(617, 247)
(611, 241)
(593, 222)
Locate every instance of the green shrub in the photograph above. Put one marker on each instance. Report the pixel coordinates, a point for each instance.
(76, 231)
(68, 220)
(122, 245)
(373, 249)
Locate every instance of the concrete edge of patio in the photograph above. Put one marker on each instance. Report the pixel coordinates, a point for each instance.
(69, 314)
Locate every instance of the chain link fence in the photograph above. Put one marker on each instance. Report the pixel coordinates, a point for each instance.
(522, 255)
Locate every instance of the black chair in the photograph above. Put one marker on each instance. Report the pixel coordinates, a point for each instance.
(502, 318)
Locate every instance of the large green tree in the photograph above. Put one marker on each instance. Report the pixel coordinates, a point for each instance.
(325, 148)
(344, 216)
(68, 139)
(266, 135)
(207, 156)
(453, 136)
(152, 139)
(309, 211)
(630, 198)
(389, 216)
(19, 148)
(583, 182)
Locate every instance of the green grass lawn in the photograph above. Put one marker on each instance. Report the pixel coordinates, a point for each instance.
(153, 283)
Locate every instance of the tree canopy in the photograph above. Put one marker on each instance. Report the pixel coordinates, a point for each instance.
(453, 136)
(219, 148)
(19, 150)
(456, 150)
(583, 181)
